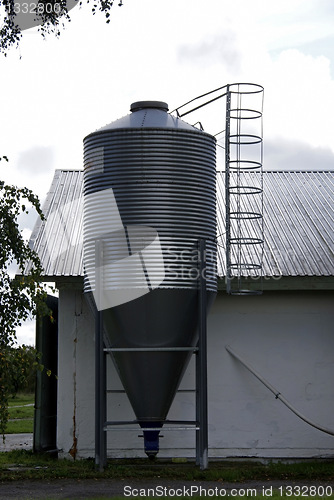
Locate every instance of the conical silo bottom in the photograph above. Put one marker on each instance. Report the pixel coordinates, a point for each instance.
(163, 318)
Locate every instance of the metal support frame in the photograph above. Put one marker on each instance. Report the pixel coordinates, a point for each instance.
(200, 424)
(201, 369)
(100, 395)
(100, 372)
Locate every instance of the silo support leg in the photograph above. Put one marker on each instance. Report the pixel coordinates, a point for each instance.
(201, 369)
(100, 395)
(198, 416)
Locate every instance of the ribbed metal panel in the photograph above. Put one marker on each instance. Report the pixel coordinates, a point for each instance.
(162, 179)
(58, 239)
(298, 222)
(311, 212)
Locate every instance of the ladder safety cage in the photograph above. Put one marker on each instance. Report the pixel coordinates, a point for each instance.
(244, 189)
(243, 145)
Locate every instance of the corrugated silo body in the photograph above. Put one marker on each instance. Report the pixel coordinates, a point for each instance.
(149, 186)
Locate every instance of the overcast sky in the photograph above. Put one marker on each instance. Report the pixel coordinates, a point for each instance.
(54, 92)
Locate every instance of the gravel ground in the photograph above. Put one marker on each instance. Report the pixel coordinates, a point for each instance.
(16, 442)
(108, 488)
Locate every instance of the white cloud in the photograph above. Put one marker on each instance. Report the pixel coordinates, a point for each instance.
(37, 160)
(284, 154)
(26, 233)
(26, 333)
(299, 99)
(215, 49)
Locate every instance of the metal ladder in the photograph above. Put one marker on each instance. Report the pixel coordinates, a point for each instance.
(243, 240)
(244, 189)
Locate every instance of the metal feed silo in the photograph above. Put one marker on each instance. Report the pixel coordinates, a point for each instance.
(149, 198)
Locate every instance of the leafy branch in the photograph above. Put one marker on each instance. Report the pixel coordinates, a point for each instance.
(22, 293)
(50, 15)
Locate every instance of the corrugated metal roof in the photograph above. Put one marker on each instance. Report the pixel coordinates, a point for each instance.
(298, 224)
(58, 239)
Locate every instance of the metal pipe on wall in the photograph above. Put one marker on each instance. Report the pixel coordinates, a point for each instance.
(277, 393)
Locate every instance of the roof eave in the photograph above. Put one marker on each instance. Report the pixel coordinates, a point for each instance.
(285, 283)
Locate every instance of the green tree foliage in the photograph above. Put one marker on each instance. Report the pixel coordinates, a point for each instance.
(24, 362)
(51, 15)
(22, 294)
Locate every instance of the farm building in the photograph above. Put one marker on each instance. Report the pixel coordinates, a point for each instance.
(286, 333)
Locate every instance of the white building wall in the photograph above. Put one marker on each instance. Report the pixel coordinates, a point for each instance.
(288, 337)
(76, 375)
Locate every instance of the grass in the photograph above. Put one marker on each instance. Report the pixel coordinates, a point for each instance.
(20, 427)
(20, 414)
(23, 464)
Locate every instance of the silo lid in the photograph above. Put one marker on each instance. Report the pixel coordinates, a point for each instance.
(136, 106)
(149, 114)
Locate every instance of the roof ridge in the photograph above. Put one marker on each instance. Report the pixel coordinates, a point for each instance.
(69, 170)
